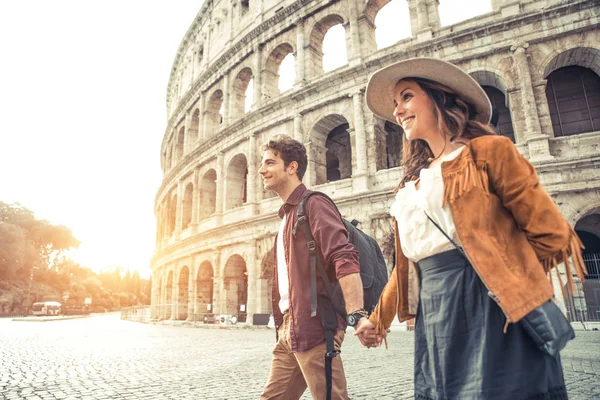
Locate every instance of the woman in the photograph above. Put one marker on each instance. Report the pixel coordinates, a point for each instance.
(486, 197)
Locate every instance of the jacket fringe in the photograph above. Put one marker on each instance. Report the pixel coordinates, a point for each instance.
(571, 257)
(458, 182)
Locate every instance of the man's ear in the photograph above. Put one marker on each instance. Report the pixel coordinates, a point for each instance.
(293, 168)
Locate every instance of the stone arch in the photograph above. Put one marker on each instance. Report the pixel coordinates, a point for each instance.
(383, 15)
(239, 89)
(208, 194)
(188, 199)
(315, 42)
(267, 268)
(235, 283)
(588, 293)
(183, 293)
(332, 150)
(194, 128)
(205, 288)
(388, 142)
(496, 89)
(271, 72)
(212, 115)
(236, 182)
(587, 57)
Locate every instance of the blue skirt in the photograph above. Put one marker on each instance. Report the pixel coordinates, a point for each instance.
(461, 351)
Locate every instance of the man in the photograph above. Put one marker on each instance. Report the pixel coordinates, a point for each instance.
(299, 355)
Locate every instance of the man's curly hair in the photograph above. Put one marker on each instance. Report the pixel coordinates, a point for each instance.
(289, 150)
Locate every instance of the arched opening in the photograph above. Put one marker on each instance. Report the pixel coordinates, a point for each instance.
(316, 65)
(168, 306)
(236, 182)
(504, 125)
(208, 195)
(194, 126)
(330, 149)
(449, 14)
(235, 279)
(267, 269)
(287, 73)
(338, 158)
(179, 144)
(172, 215)
(573, 95)
(271, 77)
(240, 88)
(586, 305)
(393, 146)
(183, 289)
(392, 21)
(213, 116)
(335, 54)
(188, 199)
(204, 289)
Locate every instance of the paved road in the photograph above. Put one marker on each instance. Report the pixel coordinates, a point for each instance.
(102, 357)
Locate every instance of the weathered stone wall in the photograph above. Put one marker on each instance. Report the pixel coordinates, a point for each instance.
(211, 209)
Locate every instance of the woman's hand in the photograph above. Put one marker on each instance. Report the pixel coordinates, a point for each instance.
(365, 331)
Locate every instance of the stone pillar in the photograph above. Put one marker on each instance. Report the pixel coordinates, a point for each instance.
(201, 116)
(300, 56)
(310, 177)
(175, 297)
(257, 77)
(252, 293)
(191, 305)
(298, 134)
(226, 95)
(424, 18)
(355, 56)
(186, 131)
(207, 45)
(195, 201)
(539, 148)
(252, 171)
(220, 184)
(360, 176)
(179, 212)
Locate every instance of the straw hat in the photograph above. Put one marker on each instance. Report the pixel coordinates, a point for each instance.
(381, 85)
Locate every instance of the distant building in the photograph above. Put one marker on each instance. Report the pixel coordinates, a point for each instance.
(538, 60)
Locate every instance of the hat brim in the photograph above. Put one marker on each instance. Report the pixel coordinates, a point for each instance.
(379, 93)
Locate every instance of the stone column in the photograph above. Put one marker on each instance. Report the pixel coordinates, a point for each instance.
(360, 176)
(191, 298)
(355, 57)
(257, 77)
(179, 212)
(175, 297)
(186, 131)
(201, 116)
(298, 134)
(195, 201)
(220, 184)
(300, 55)
(539, 148)
(252, 293)
(226, 95)
(207, 45)
(252, 171)
(310, 177)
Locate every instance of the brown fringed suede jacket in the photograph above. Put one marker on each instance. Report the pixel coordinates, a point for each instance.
(510, 229)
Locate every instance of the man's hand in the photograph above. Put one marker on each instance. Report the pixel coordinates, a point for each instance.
(365, 331)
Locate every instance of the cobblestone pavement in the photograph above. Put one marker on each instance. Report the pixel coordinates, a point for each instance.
(102, 357)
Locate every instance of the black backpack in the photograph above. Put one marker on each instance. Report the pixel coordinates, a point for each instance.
(373, 273)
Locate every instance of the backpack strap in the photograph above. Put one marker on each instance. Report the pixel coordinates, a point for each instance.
(328, 316)
(303, 224)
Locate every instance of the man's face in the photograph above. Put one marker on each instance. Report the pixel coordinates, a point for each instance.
(275, 175)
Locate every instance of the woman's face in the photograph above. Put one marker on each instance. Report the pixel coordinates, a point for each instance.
(414, 111)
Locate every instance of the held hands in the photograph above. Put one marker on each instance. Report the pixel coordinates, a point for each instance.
(365, 331)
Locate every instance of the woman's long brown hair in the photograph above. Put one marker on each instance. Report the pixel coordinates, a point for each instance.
(455, 119)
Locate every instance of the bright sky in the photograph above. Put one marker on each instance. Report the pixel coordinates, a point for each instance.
(82, 112)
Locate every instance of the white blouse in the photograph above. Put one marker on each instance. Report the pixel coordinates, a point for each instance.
(419, 238)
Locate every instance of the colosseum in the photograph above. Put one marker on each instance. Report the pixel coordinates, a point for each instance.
(538, 61)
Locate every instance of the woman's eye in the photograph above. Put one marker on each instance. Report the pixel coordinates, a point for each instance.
(395, 104)
(406, 96)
